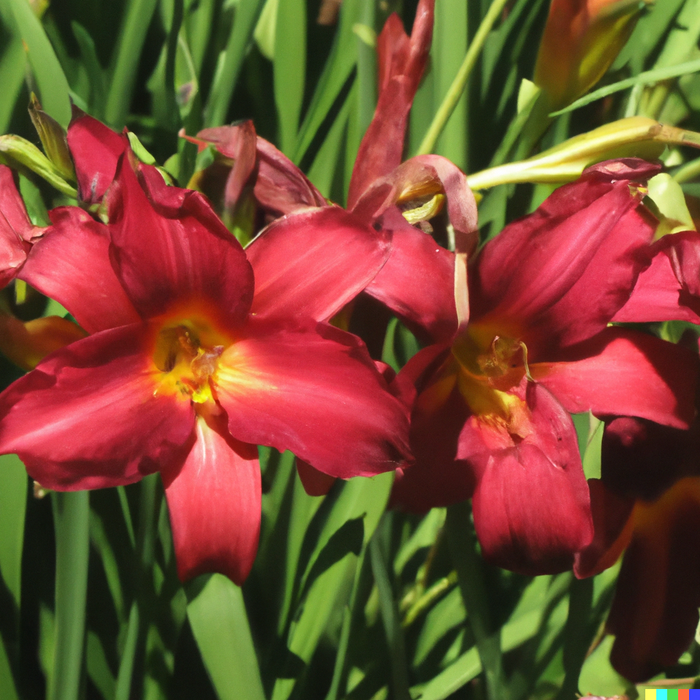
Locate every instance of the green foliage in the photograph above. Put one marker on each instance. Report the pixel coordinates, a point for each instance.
(348, 598)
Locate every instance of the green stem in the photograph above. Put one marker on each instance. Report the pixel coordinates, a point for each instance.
(138, 617)
(458, 84)
(461, 540)
(72, 520)
(137, 18)
(436, 591)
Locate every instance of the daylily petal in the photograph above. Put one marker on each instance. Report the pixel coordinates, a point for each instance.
(613, 529)
(655, 611)
(633, 449)
(16, 230)
(311, 264)
(175, 251)
(71, 264)
(12, 210)
(315, 483)
(417, 282)
(658, 294)
(88, 416)
(531, 503)
(401, 64)
(96, 150)
(684, 251)
(214, 503)
(416, 179)
(628, 373)
(280, 186)
(536, 276)
(437, 478)
(320, 397)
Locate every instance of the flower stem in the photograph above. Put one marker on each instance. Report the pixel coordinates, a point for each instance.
(458, 84)
(71, 518)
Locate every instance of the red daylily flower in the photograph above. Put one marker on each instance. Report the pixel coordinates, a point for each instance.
(653, 515)
(189, 366)
(531, 344)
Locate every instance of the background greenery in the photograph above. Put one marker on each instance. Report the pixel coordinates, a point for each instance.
(346, 599)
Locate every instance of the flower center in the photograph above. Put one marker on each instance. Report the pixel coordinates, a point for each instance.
(187, 354)
(487, 375)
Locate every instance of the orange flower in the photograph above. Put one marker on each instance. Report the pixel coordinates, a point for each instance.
(581, 40)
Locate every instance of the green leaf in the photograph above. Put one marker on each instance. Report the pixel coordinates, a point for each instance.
(231, 60)
(323, 589)
(289, 69)
(12, 70)
(95, 72)
(72, 517)
(325, 169)
(50, 79)
(390, 618)
(647, 78)
(21, 154)
(466, 668)
(448, 48)
(598, 677)
(594, 446)
(13, 500)
(219, 622)
(470, 571)
(336, 73)
(125, 61)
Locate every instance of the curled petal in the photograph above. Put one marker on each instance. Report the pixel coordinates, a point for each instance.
(214, 503)
(280, 186)
(312, 263)
(89, 416)
(71, 264)
(419, 178)
(320, 397)
(175, 251)
(627, 373)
